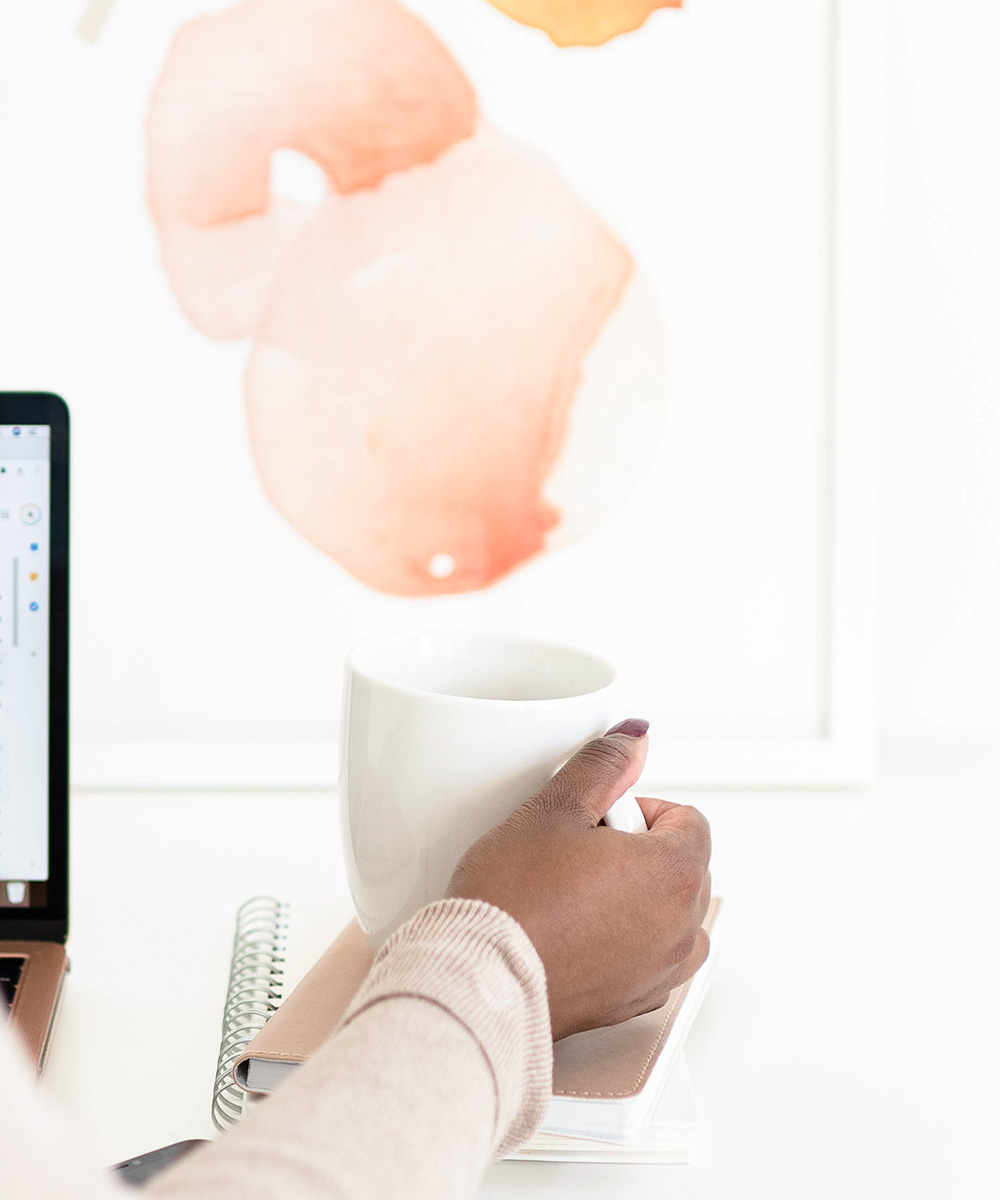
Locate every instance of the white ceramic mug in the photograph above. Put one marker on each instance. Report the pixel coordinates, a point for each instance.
(445, 734)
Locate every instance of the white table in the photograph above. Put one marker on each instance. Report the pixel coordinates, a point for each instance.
(849, 1046)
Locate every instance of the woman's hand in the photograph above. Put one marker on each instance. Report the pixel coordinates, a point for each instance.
(615, 917)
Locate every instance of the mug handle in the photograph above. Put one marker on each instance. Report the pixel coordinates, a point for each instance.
(626, 815)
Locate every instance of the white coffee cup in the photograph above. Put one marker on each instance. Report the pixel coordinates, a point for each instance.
(445, 734)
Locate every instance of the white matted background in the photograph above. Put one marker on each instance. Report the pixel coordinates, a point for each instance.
(736, 148)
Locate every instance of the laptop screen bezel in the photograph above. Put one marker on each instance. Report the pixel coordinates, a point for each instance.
(49, 922)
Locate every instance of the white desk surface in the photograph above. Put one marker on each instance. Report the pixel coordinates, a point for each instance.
(849, 1045)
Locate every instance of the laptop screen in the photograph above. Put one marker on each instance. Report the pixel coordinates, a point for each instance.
(33, 668)
(25, 499)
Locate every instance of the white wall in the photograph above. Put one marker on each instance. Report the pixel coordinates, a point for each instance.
(200, 616)
(941, 418)
(940, 587)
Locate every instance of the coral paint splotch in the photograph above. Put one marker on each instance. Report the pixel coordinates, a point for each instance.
(415, 371)
(583, 22)
(438, 329)
(361, 87)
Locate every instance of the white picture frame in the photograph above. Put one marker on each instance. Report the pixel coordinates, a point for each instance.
(834, 750)
(844, 754)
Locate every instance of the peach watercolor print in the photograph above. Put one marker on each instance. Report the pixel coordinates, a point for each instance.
(361, 87)
(445, 345)
(583, 22)
(414, 374)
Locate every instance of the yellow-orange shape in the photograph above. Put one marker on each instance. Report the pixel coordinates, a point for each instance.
(582, 22)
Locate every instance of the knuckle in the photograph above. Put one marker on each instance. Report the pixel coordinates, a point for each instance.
(704, 900)
(686, 877)
(682, 949)
(687, 955)
(699, 952)
(653, 1000)
(696, 826)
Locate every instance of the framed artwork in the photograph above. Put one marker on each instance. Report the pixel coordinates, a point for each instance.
(508, 315)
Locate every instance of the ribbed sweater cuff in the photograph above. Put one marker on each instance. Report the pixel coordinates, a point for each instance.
(477, 963)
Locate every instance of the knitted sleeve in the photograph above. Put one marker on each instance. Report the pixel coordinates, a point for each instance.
(442, 1061)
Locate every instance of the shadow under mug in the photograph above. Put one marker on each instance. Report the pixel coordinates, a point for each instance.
(445, 734)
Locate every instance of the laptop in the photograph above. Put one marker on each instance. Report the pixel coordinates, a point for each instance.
(34, 741)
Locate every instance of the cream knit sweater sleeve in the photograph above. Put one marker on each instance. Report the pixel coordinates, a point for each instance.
(443, 1061)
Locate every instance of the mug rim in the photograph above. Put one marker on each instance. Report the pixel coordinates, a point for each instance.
(359, 649)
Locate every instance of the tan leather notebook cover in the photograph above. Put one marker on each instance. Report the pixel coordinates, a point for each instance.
(608, 1064)
(311, 1012)
(614, 1062)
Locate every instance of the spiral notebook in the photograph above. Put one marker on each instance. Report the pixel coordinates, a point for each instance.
(608, 1083)
(256, 976)
(254, 994)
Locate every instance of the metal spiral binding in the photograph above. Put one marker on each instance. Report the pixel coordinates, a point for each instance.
(255, 983)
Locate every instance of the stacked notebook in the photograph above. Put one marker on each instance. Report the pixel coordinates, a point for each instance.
(618, 1092)
(668, 1137)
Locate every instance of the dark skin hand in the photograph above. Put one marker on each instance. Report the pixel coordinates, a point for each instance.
(615, 917)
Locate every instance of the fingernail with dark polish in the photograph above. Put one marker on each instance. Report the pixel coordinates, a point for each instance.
(632, 727)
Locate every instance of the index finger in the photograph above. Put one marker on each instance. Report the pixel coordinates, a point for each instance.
(651, 809)
(668, 820)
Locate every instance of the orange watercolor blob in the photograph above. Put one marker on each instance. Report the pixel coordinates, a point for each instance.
(415, 369)
(454, 364)
(582, 22)
(361, 87)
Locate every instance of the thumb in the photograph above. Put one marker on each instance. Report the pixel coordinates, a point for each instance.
(598, 773)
